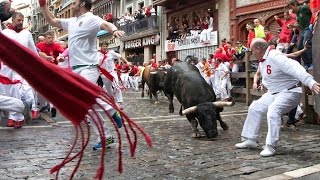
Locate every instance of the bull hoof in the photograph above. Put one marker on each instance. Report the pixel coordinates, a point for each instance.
(180, 113)
(224, 126)
(196, 135)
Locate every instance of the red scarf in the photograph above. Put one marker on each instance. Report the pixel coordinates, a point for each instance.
(74, 97)
(102, 70)
(6, 80)
(12, 27)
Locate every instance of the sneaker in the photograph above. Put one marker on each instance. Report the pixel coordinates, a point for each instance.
(117, 118)
(18, 124)
(268, 151)
(53, 112)
(10, 123)
(34, 114)
(109, 144)
(247, 144)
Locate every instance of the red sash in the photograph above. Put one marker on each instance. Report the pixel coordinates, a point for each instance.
(104, 71)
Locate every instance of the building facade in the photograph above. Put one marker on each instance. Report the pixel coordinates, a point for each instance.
(142, 35)
(190, 12)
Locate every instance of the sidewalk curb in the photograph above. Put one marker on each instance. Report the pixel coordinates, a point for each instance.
(295, 173)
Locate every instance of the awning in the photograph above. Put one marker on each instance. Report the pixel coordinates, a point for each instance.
(102, 32)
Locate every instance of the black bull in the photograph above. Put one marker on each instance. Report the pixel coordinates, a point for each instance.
(155, 81)
(196, 97)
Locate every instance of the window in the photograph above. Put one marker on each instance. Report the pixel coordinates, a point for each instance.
(129, 10)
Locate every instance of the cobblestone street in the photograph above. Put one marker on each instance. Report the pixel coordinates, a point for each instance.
(30, 152)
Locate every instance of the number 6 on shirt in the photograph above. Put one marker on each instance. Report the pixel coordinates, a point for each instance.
(269, 69)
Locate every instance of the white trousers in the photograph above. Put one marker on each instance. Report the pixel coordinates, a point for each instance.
(225, 87)
(92, 75)
(274, 106)
(113, 87)
(216, 85)
(12, 91)
(125, 79)
(11, 104)
(133, 81)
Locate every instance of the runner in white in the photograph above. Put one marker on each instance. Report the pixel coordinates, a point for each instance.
(107, 58)
(83, 54)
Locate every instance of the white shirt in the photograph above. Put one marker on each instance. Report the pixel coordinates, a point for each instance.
(153, 11)
(82, 34)
(108, 63)
(280, 72)
(24, 37)
(222, 70)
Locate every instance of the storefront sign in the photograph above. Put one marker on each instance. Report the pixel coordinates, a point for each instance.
(191, 42)
(146, 41)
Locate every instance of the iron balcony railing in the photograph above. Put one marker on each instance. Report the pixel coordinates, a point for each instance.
(147, 23)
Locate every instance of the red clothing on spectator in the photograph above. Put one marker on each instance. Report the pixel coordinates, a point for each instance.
(108, 17)
(269, 37)
(285, 35)
(251, 36)
(125, 68)
(148, 11)
(154, 65)
(134, 70)
(53, 49)
(222, 56)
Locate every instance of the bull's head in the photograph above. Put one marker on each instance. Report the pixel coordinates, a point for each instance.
(160, 77)
(207, 117)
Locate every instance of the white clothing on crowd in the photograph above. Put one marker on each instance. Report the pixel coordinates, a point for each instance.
(82, 33)
(206, 33)
(280, 75)
(113, 88)
(225, 82)
(10, 103)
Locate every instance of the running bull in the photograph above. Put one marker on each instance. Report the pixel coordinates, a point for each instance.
(155, 81)
(196, 97)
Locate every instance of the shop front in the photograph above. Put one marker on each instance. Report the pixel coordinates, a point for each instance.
(141, 49)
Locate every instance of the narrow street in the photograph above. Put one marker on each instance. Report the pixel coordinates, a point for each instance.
(30, 152)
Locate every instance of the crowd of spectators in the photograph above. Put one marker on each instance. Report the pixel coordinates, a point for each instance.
(193, 26)
(143, 12)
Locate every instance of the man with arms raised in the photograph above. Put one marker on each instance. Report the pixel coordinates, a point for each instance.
(83, 54)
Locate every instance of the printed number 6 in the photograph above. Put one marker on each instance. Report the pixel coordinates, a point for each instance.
(269, 69)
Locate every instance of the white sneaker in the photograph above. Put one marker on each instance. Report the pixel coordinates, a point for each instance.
(247, 144)
(267, 151)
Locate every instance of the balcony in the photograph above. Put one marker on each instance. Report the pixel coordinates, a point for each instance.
(140, 26)
(165, 3)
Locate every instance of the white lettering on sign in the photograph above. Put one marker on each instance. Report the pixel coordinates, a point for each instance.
(146, 41)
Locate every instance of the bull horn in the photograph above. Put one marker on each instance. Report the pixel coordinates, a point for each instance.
(223, 103)
(189, 110)
(153, 72)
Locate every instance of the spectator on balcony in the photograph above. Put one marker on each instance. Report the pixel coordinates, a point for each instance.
(108, 17)
(285, 35)
(148, 11)
(172, 34)
(153, 11)
(269, 35)
(184, 32)
(240, 50)
(258, 29)
(205, 34)
(251, 34)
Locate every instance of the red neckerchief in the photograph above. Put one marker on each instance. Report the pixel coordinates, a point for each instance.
(270, 48)
(102, 70)
(12, 28)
